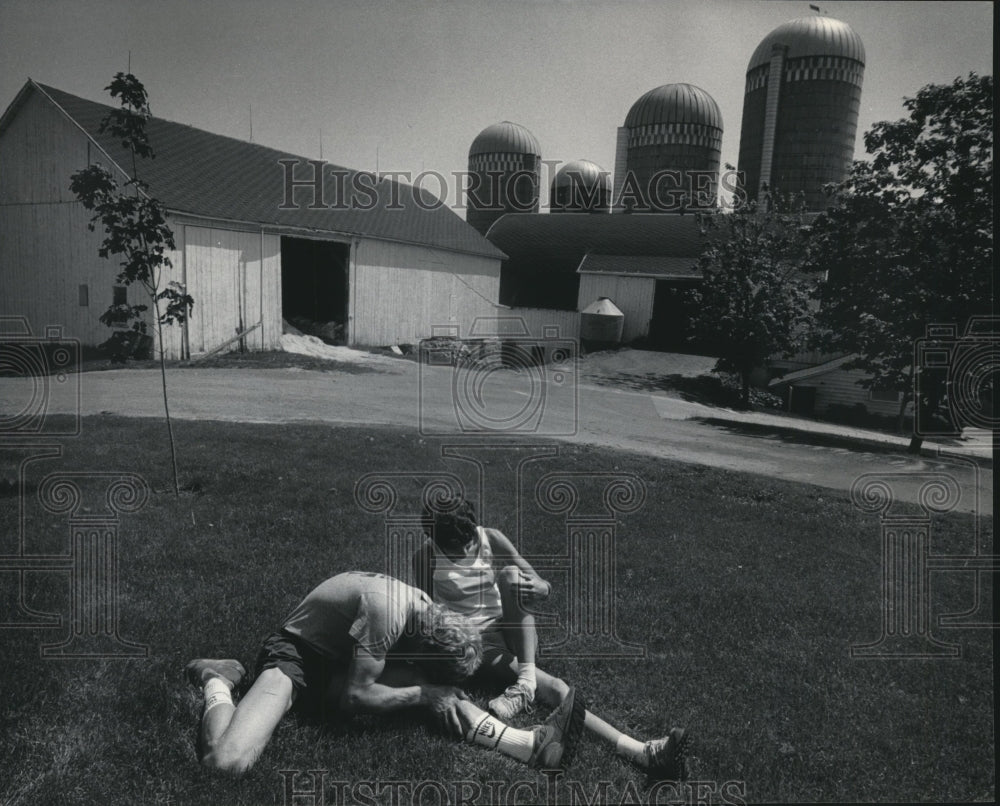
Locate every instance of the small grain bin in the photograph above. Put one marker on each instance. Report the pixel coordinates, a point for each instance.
(601, 323)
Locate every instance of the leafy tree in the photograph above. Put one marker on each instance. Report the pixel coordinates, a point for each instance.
(908, 242)
(753, 302)
(135, 228)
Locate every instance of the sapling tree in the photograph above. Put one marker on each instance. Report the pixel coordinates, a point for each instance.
(135, 228)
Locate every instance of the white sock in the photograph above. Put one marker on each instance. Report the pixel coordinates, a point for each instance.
(216, 693)
(631, 749)
(526, 676)
(492, 733)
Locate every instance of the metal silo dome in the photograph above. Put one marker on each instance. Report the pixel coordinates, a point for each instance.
(800, 109)
(504, 174)
(505, 138)
(675, 103)
(815, 35)
(580, 186)
(669, 151)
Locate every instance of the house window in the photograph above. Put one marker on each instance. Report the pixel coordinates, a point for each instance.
(84, 295)
(119, 295)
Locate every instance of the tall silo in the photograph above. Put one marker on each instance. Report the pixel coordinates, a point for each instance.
(505, 174)
(669, 151)
(800, 108)
(580, 186)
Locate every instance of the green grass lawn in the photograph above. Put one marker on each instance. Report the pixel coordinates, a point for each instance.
(746, 593)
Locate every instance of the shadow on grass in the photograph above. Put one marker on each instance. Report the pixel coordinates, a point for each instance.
(707, 389)
(796, 436)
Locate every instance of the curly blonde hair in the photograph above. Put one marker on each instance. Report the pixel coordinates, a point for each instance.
(450, 646)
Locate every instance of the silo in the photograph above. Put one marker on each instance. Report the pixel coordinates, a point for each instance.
(504, 174)
(672, 143)
(800, 109)
(580, 186)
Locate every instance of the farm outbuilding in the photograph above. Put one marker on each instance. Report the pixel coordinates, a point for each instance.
(642, 262)
(260, 235)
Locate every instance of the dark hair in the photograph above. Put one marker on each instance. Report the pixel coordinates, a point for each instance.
(450, 524)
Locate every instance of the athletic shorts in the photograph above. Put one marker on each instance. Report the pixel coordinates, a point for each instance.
(309, 671)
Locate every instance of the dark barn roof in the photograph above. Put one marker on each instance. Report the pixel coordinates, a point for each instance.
(658, 267)
(210, 175)
(540, 243)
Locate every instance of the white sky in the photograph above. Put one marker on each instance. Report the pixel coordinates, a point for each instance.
(416, 81)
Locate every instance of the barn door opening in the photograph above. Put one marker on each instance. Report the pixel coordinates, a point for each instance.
(314, 287)
(671, 329)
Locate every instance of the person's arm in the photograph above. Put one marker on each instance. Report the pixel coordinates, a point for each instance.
(364, 694)
(529, 584)
(422, 572)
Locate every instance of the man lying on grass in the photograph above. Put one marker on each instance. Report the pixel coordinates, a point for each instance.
(455, 567)
(363, 642)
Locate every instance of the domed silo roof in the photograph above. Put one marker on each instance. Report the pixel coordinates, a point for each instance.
(816, 35)
(505, 138)
(586, 172)
(675, 103)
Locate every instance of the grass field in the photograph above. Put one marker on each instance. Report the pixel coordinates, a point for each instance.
(745, 592)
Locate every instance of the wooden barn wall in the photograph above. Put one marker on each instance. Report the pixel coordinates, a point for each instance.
(400, 292)
(46, 251)
(633, 295)
(232, 287)
(538, 320)
(50, 271)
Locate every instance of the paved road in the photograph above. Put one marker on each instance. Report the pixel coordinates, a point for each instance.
(401, 393)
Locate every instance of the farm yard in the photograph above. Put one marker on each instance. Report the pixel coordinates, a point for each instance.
(744, 593)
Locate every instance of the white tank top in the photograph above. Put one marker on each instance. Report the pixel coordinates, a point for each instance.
(467, 585)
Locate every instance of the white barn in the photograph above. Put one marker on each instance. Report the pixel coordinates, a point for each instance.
(388, 261)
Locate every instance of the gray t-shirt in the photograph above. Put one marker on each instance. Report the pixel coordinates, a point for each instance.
(352, 610)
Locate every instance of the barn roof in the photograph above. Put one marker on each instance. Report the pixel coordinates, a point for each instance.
(657, 266)
(559, 243)
(210, 175)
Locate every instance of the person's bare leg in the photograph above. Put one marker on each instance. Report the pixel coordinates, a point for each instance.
(233, 737)
(518, 623)
(518, 627)
(663, 757)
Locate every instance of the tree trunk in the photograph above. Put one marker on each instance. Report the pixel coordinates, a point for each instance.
(745, 391)
(166, 407)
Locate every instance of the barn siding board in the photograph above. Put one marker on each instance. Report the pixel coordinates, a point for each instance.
(633, 296)
(231, 285)
(400, 292)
